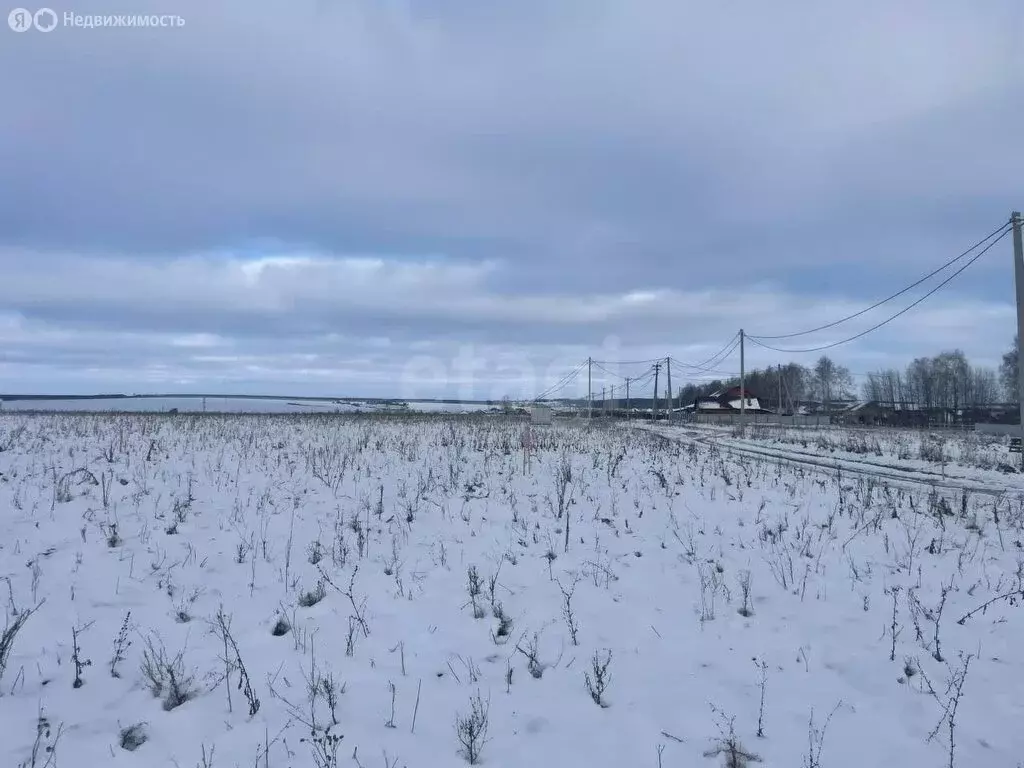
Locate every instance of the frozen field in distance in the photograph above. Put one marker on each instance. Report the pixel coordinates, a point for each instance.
(282, 591)
(222, 405)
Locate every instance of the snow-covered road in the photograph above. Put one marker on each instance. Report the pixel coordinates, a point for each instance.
(949, 477)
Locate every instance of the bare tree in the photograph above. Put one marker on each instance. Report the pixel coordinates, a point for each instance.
(920, 383)
(1008, 371)
(831, 380)
(984, 387)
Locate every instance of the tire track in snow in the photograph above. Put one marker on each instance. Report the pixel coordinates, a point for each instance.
(847, 466)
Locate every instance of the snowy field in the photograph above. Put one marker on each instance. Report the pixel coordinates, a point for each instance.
(291, 591)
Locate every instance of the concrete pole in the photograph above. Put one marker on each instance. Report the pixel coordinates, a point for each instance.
(654, 402)
(780, 389)
(671, 394)
(743, 386)
(1018, 274)
(590, 390)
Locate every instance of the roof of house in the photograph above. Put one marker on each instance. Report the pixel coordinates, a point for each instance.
(727, 400)
(733, 392)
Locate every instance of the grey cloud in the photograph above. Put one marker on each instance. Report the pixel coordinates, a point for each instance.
(291, 295)
(369, 317)
(365, 123)
(584, 149)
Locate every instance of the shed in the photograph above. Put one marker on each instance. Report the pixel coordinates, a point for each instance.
(540, 414)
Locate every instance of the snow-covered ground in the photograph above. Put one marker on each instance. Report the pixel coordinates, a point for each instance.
(951, 455)
(312, 591)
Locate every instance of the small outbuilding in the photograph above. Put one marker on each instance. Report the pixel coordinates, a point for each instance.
(541, 414)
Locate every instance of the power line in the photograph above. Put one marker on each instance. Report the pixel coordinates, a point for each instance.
(704, 367)
(729, 346)
(702, 372)
(627, 362)
(610, 373)
(700, 368)
(889, 319)
(690, 377)
(561, 384)
(648, 375)
(641, 380)
(710, 363)
(723, 353)
(1003, 228)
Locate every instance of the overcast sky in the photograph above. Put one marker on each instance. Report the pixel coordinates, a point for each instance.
(453, 197)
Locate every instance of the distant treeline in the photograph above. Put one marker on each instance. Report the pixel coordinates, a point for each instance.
(947, 380)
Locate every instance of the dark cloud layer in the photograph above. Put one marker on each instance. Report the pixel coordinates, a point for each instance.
(502, 175)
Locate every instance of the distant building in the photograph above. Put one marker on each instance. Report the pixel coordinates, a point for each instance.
(729, 401)
(900, 414)
(997, 413)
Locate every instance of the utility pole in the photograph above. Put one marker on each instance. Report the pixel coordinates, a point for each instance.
(590, 390)
(613, 401)
(654, 402)
(780, 389)
(627, 399)
(671, 398)
(1018, 274)
(604, 403)
(743, 386)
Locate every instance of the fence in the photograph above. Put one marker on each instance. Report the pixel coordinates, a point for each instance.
(823, 421)
(998, 429)
(729, 419)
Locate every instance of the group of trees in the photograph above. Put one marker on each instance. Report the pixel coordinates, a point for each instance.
(944, 381)
(785, 385)
(1008, 371)
(947, 380)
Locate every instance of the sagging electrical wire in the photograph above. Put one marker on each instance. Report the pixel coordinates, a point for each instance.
(756, 339)
(1000, 231)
